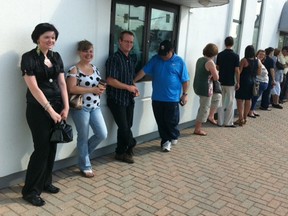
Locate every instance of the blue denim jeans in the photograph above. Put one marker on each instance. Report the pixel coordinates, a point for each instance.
(85, 145)
(263, 86)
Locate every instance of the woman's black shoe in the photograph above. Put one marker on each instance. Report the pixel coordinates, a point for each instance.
(34, 199)
(51, 189)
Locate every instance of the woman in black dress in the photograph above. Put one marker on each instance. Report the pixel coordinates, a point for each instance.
(249, 68)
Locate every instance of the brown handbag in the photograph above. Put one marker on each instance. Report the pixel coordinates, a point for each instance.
(76, 101)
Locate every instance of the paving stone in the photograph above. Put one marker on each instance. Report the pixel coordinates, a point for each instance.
(230, 172)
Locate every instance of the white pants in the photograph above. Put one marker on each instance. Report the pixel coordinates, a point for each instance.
(226, 111)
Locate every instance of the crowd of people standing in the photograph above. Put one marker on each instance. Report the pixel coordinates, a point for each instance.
(48, 96)
(261, 75)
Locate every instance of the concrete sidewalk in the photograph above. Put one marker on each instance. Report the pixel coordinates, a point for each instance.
(232, 171)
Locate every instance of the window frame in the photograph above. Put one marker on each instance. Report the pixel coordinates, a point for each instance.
(149, 5)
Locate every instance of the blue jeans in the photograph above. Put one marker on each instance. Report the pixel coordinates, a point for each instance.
(85, 145)
(265, 101)
(263, 86)
(167, 117)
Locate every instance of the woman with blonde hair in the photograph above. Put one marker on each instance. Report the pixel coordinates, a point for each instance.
(84, 78)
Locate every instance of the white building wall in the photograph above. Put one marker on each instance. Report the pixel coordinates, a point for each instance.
(90, 19)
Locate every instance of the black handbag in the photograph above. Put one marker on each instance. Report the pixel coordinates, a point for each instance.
(279, 66)
(217, 87)
(61, 133)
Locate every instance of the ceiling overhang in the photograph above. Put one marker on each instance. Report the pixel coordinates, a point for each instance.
(283, 23)
(199, 3)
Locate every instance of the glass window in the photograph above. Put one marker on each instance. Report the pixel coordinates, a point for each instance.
(161, 28)
(129, 17)
(150, 22)
(257, 23)
(235, 30)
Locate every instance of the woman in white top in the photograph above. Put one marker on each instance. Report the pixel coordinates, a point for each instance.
(263, 79)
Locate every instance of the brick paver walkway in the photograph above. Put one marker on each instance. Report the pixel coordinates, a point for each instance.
(232, 171)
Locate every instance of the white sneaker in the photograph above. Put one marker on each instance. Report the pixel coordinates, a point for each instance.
(166, 147)
(174, 141)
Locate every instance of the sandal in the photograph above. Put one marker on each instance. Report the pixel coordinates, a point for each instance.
(239, 122)
(87, 173)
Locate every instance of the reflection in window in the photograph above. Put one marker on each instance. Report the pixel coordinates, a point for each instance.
(129, 17)
(237, 23)
(161, 28)
(257, 23)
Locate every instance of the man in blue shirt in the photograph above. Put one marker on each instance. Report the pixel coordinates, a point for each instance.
(169, 78)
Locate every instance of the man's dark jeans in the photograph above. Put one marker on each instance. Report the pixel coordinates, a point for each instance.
(123, 116)
(167, 118)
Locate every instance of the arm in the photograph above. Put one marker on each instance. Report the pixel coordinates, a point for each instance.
(259, 69)
(139, 76)
(237, 75)
(210, 66)
(119, 85)
(40, 97)
(64, 95)
(272, 72)
(184, 97)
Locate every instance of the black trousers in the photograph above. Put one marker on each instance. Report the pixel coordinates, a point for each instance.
(123, 116)
(167, 117)
(39, 170)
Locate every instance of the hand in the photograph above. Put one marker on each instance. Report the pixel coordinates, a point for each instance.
(184, 99)
(64, 113)
(54, 115)
(237, 86)
(133, 89)
(98, 90)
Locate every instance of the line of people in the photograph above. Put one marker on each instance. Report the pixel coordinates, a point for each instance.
(48, 103)
(237, 77)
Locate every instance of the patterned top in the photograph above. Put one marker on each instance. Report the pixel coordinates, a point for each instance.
(122, 68)
(89, 100)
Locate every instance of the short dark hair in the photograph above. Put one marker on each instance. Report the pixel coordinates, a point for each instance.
(276, 51)
(269, 50)
(41, 29)
(84, 45)
(249, 52)
(125, 32)
(210, 50)
(229, 41)
(285, 48)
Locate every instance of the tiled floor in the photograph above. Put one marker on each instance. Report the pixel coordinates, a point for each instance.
(232, 171)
